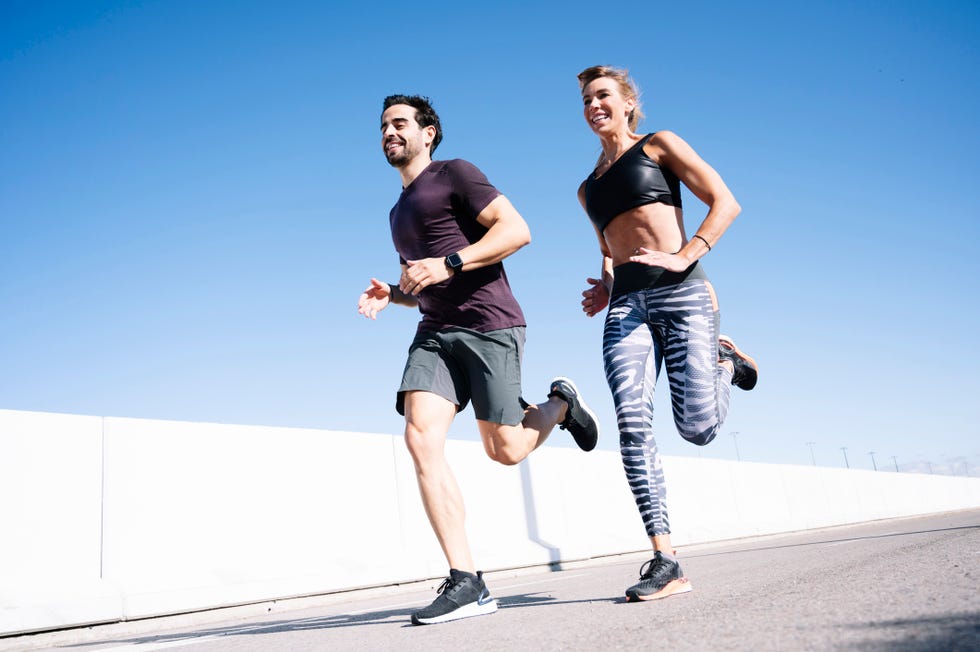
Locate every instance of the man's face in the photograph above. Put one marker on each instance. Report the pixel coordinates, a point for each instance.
(402, 139)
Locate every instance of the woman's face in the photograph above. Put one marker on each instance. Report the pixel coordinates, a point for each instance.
(606, 110)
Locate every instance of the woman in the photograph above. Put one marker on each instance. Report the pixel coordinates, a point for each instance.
(662, 308)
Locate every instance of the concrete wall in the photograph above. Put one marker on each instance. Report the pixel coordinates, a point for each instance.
(107, 519)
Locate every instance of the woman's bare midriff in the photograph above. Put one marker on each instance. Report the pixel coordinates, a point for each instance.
(658, 227)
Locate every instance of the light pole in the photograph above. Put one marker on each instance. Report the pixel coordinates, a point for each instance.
(735, 439)
(873, 463)
(812, 458)
(895, 460)
(846, 463)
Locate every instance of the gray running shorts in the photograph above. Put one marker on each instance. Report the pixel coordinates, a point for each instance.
(461, 365)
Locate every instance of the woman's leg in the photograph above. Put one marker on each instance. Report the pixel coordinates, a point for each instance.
(632, 361)
(700, 387)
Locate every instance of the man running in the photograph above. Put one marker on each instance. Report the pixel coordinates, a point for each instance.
(451, 229)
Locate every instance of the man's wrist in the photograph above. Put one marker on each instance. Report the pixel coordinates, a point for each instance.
(454, 263)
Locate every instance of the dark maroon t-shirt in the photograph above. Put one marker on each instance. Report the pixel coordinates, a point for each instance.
(436, 216)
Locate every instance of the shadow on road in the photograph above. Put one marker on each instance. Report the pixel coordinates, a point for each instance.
(822, 542)
(400, 616)
(950, 633)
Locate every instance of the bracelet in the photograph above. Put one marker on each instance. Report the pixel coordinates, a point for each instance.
(703, 240)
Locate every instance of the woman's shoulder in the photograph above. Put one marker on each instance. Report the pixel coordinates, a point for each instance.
(663, 142)
(663, 137)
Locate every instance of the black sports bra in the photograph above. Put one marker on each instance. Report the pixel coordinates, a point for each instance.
(632, 180)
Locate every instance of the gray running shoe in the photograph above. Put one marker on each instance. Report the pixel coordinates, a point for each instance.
(746, 373)
(659, 578)
(461, 595)
(579, 419)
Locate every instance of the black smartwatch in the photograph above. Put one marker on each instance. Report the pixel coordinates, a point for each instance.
(454, 262)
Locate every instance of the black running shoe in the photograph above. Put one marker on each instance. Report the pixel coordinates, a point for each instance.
(746, 373)
(462, 595)
(579, 419)
(659, 578)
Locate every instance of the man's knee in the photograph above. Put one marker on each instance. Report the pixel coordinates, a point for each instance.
(415, 440)
(427, 448)
(501, 443)
(427, 421)
(506, 456)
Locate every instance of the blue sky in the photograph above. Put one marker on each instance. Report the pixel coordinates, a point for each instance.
(192, 196)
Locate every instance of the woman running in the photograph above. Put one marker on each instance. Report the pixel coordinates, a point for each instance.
(662, 308)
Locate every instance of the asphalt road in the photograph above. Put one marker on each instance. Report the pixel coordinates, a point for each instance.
(905, 584)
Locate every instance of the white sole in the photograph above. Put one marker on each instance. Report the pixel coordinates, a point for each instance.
(674, 587)
(466, 611)
(585, 406)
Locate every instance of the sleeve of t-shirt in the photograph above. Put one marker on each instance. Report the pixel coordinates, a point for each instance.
(471, 186)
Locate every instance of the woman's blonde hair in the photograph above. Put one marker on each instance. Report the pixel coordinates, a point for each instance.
(626, 86)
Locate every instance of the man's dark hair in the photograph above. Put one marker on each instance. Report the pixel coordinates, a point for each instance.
(425, 115)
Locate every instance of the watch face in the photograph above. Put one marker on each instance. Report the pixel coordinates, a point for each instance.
(454, 262)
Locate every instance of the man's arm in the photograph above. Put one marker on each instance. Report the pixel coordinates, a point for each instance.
(506, 233)
(379, 294)
(399, 297)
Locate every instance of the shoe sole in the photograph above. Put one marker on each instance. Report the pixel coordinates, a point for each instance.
(588, 411)
(755, 366)
(673, 587)
(466, 611)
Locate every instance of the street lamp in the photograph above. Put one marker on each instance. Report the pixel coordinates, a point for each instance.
(846, 463)
(735, 439)
(812, 458)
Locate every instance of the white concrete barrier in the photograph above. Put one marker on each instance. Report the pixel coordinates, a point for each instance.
(109, 519)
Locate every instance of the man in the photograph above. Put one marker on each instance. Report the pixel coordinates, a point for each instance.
(452, 229)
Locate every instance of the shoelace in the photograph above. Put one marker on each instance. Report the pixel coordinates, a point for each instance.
(448, 585)
(656, 568)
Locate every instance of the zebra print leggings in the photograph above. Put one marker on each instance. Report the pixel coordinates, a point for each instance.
(678, 325)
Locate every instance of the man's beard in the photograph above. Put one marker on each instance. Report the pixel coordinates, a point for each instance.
(401, 157)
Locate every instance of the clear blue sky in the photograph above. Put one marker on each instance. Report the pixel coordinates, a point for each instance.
(193, 195)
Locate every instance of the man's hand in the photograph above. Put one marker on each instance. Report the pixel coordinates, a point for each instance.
(374, 299)
(420, 274)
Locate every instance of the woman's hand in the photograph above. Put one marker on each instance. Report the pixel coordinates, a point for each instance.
(670, 262)
(596, 297)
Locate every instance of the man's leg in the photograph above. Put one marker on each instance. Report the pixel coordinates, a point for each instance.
(511, 444)
(464, 593)
(427, 420)
(564, 407)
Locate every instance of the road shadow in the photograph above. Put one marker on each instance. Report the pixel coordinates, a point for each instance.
(822, 542)
(949, 633)
(400, 616)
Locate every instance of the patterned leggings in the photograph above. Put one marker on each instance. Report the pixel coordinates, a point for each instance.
(676, 325)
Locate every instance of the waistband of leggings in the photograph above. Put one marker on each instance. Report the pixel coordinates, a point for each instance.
(630, 277)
